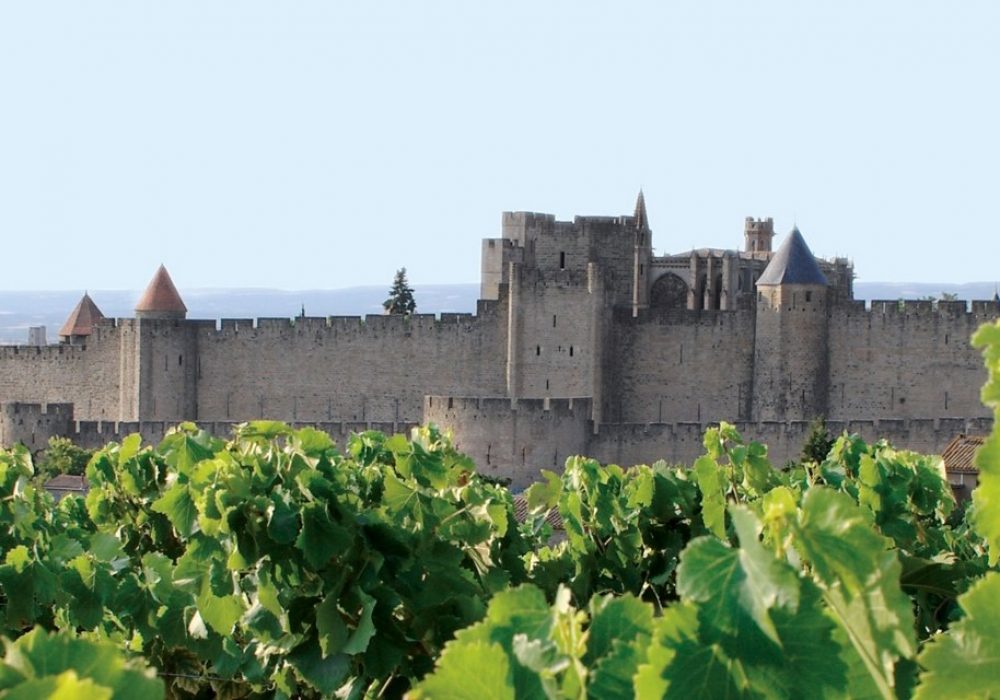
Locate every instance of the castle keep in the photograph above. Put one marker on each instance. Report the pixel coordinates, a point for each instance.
(583, 342)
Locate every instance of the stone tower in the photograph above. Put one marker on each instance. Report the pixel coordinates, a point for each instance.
(791, 350)
(165, 348)
(757, 234)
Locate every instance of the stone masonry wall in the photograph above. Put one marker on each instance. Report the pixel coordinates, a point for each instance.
(554, 330)
(909, 360)
(346, 368)
(513, 439)
(85, 375)
(679, 365)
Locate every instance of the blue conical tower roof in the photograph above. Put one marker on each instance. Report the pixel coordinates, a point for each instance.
(793, 264)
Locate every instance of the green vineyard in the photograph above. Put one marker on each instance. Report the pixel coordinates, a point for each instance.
(275, 563)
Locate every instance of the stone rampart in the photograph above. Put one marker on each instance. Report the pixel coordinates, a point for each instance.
(513, 438)
(679, 365)
(346, 368)
(911, 359)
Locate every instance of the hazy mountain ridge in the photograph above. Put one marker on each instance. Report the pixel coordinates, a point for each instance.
(19, 309)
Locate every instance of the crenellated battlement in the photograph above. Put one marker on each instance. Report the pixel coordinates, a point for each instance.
(976, 309)
(336, 326)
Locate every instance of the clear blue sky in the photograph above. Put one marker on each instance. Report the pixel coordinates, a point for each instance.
(324, 144)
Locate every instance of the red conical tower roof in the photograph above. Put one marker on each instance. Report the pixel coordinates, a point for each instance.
(161, 297)
(82, 319)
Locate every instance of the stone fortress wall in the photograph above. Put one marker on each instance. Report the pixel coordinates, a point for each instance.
(584, 342)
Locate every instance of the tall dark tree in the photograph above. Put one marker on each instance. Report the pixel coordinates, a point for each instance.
(818, 443)
(400, 299)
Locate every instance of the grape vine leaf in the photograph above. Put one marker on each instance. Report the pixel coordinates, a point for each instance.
(986, 497)
(859, 576)
(737, 587)
(713, 499)
(179, 507)
(962, 662)
(468, 671)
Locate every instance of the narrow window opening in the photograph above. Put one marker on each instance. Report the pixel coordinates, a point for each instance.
(562, 260)
(946, 400)
(809, 296)
(571, 351)
(553, 320)
(451, 402)
(546, 385)
(945, 338)
(180, 360)
(538, 349)
(642, 269)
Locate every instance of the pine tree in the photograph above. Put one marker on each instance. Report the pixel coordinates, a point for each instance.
(400, 299)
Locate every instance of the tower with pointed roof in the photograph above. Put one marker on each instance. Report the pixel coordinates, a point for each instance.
(163, 347)
(791, 352)
(161, 299)
(81, 322)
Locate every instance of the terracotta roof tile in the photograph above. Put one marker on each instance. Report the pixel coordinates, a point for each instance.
(82, 319)
(960, 453)
(161, 295)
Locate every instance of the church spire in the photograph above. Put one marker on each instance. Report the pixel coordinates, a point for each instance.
(641, 220)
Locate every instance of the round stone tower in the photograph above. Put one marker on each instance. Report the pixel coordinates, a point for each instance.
(791, 353)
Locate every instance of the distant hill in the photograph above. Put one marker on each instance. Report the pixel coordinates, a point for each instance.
(20, 310)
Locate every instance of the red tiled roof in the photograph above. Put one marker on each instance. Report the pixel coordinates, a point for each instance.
(161, 295)
(82, 319)
(960, 453)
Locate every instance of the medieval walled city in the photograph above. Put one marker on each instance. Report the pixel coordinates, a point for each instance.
(583, 342)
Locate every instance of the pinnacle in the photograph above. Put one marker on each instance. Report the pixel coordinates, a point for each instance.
(641, 220)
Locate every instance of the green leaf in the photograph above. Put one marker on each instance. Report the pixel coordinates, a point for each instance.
(713, 499)
(963, 662)
(176, 503)
(860, 580)
(130, 446)
(18, 557)
(986, 497)
(325, 674)
(320, 538)
(613, 619)
(65, 686)
(330, 625)
(544, 495)
(365, 630)
(219, 612)
(282, 519)
(737, 587)
(468, 671)
(71, 668)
